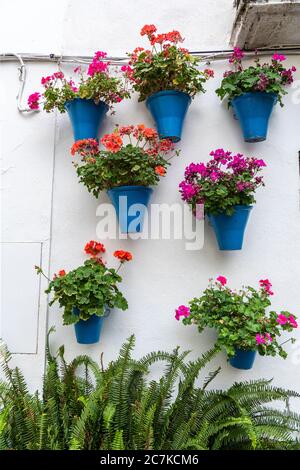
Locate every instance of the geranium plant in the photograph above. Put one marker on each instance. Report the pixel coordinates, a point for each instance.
(268, 77)
(96, 83)
(240, 317)
(90, 288)
(226, 181)
(165, 66)
(132, 156)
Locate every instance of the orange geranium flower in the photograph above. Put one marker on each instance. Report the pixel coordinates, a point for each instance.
(150, 133)
(123, 255)
(85, 145)
(160, 170)
(112, 142)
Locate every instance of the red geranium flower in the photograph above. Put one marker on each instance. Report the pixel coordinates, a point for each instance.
(94, 248)
(166, 145)
(123, 255)
(148, 30)
(61, 273)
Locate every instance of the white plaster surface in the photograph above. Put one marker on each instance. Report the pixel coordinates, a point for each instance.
(163, 274)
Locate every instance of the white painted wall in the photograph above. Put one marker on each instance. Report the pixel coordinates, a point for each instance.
(163, 274)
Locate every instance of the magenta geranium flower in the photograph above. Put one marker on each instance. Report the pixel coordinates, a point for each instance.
(222, 280)
(260, 339)
(282, 319)
(266, 285)
(279, 57)
(33, 100)
(223, 182)
(292, 321)
(182, 311)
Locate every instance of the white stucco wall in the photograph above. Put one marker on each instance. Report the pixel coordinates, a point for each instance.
(43, 202)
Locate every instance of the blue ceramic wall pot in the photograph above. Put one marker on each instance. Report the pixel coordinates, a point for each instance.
(230, 229)
(168, 109)
(253, 110)
(243, 359)
(131, 204)
(86, 117)
(88, 331)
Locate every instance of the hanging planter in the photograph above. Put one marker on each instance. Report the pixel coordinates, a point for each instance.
(89, 292)
(86, 117)
(86, 102)
(230, 229)
(125, 171)
(243, 359)
(226, 186)
(168, 109)
(253, 92)
(244, 326)
(253, 111)
(89, 331)
(167, 77)
(130, 203)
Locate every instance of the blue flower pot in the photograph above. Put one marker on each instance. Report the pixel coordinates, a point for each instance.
(243, 359)
(168, 109)
(130, 203)
(88, 331)
(230, 229)
(86, 117)
(253, 110)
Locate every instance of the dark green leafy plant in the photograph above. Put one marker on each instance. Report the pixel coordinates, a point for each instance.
(141, 162)
(269, 78)
(84, 406)
(91, 288)
(240, 318)
(165, 67)
(98, 85)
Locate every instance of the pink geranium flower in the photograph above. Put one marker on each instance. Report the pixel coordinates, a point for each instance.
(222, 280)
(182, 311)
(269, 337)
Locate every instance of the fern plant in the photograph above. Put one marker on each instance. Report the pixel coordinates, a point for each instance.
(84, 405)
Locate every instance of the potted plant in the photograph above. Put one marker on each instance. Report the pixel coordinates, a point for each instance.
(87, 293)
(167, 77)
(240, 317)
(87, 101)
(226, 186)
(253, 91)
(125, 170)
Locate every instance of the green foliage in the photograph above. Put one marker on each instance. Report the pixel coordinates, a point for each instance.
(240, 318)
(100, 87)
(270, 78)
(140, 162)
(165, 67)
(131, 166)
(97, 84)
(176, 71)
(91, 288)
(84, 406)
